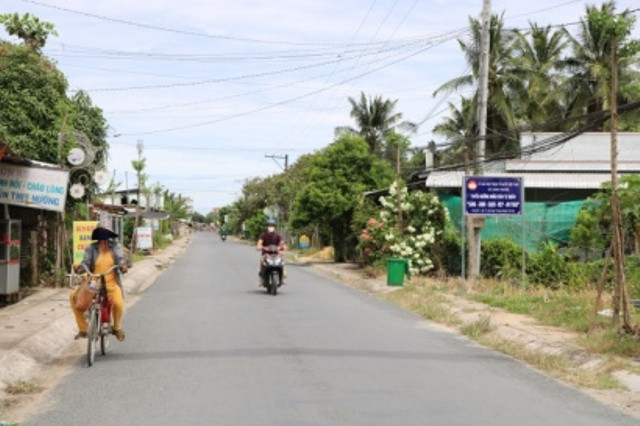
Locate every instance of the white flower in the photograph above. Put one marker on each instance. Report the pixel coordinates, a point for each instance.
(77, 190)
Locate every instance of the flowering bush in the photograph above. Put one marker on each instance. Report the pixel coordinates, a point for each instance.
(372, 243)
(423, 219)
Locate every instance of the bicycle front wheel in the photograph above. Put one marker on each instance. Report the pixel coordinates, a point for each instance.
(92, 335)
(104, 341)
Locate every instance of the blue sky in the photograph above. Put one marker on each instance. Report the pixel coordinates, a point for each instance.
(211, 87)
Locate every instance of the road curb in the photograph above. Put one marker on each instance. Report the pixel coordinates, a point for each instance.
(49, 325)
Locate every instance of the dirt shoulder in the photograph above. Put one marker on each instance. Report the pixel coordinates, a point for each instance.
(554, 351)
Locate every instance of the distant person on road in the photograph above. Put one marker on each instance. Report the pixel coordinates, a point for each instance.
(99, 257)
(266, 239)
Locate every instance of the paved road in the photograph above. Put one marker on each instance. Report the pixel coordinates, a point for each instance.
(206, 346)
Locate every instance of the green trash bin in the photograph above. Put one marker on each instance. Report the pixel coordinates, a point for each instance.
(396, 269)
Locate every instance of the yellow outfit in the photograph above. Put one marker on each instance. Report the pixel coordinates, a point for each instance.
(103, 263)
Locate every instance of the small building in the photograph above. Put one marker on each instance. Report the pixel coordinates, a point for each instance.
(32, 194)
(558, 174)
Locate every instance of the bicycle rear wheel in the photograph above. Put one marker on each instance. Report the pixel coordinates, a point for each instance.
(92, 335)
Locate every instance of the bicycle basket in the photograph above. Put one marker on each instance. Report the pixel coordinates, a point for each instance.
(83, 296)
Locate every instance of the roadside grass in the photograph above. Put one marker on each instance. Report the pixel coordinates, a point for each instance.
(22, 387)
(477, 328)
(559, 308)
(137, 257)
(426, 298)
(571, 310)
(423, 300)
(610, 341)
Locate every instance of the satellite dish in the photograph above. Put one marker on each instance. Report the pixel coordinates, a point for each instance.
(82, 147)
(76, 156)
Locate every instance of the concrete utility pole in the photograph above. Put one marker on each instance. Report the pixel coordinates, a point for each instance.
(281, 157)
(476, 224)
(139, 147)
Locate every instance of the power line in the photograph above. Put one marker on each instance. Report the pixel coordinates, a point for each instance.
(234, 78)
(284, 102)
(174, 30)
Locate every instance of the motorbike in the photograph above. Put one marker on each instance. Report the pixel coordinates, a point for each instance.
(223, 237)
(272, 269)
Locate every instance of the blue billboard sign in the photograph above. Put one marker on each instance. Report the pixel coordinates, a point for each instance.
(492, 195)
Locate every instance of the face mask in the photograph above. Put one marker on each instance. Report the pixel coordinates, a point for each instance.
(271, 228)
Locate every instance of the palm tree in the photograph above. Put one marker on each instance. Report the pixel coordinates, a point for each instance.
(591, 61)
(538, 65)
(460, 130)
(500, 116)
(375, 119)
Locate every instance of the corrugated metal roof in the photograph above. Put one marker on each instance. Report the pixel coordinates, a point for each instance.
(589, 152)
(531, 180)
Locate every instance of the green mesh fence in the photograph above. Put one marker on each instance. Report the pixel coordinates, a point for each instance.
(542, 222)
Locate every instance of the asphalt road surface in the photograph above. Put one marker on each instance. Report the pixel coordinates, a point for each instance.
(206, 346)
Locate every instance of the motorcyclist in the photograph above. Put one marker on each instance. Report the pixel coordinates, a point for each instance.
(223, 232)
(266, 239)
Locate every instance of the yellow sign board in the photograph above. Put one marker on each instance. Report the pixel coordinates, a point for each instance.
(82, 238)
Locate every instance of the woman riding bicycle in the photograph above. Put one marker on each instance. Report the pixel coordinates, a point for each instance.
(100, 257)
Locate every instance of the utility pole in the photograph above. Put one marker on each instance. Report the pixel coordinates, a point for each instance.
(476, 224)
(139, 147)
(281, 157)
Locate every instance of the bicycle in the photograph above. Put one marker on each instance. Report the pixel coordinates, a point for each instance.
(98, 314)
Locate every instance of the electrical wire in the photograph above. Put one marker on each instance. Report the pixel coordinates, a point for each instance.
(226, 79)
(174, 30)
(284, 102)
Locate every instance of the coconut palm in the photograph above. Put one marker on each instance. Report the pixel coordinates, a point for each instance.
(459, 129)
(500, 116)
(591, 60)
(375, 118)
(538, 64)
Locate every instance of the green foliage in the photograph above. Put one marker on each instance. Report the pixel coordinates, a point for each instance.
(446, 252)
(29, 28)
(160, 241)
(32, 95)
(256, 225)
(198, 218)
(586, 233)
(375, 119)
(593, 227)
(338, 175)
(547, 267)
(501, 258)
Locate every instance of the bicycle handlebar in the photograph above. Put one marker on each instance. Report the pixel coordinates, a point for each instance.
(89, 273)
